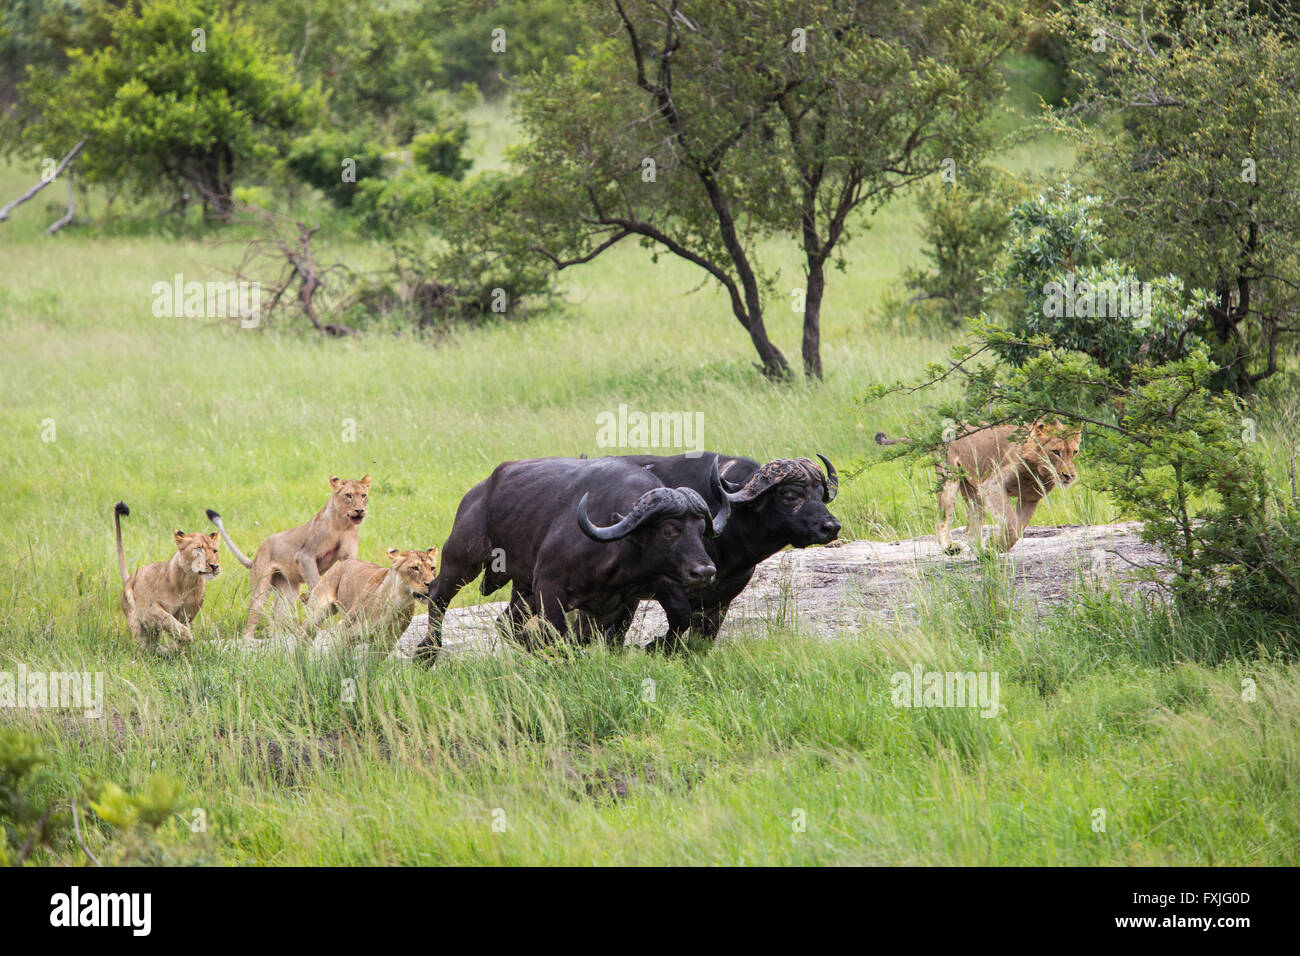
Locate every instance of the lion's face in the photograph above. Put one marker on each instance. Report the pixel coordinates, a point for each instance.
(351, 496)
(1050, 452)
(198, 551)
(416, 568)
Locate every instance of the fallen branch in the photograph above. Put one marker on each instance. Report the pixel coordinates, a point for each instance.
(72, 153)
(67, 216)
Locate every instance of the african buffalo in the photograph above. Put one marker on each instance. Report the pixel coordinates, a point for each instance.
(782, 502)
(575, 535)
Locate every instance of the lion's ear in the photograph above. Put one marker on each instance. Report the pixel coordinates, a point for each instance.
(365, 480)
(214, 536)
(179, 535)
(392, 554)
(335, 481)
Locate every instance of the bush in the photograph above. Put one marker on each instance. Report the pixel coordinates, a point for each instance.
(412, 199)
(318, 159)
(442, 150)
(164, 108)
(963, 227)
(1055, 283)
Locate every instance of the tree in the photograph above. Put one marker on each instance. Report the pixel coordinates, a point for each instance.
(701, 131)
(179, 97)
(1187, 120)
(376, 63)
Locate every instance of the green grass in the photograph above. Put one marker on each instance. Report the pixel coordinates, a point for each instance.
(1105, 706)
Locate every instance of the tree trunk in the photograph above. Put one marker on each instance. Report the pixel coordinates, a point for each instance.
(775, 366)
(812, 321)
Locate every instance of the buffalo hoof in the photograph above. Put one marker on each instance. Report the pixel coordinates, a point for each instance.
(665, 644)
(426, 652)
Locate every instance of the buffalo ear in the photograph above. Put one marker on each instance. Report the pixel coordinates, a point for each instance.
(335, 481)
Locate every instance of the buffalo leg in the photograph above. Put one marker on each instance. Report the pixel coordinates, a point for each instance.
(449, 582)
(512, 620)
(615, 630)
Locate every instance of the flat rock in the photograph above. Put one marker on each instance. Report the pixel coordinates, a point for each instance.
(836, 589)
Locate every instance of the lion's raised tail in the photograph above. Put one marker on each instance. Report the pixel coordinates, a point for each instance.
(119, 510)
(239, 555)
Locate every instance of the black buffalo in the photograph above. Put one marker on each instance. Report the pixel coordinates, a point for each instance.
(780, 503)
(575, 535)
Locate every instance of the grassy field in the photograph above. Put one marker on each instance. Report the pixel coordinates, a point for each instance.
(1105, 706)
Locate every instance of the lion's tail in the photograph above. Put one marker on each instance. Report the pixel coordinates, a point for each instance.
(883, 439)
(239, 555)
(119, 510)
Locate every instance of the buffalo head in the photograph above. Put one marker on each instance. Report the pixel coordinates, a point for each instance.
(667, 524)
(792, 495)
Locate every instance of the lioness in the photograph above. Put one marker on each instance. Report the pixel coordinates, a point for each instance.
(377, 601)
(1007, 477)
(288, 559)
(163, 597)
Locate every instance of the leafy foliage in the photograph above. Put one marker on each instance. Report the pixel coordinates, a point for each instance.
(1055, 283)
(1186, 124)
(742, 121)
(27, 821)
(164, 106)
(319, 159)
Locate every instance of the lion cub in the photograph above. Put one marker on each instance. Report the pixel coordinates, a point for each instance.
(376, 601)
(164, 597)
(289, 559)
(1007, 477)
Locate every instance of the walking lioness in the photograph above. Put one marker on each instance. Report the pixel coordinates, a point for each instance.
(164, 597)
(993, 471)
(377, 602)
(289, 559)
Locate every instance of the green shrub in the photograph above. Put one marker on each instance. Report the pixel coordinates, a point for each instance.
(963, 227)
(442, 150)
(321, 158)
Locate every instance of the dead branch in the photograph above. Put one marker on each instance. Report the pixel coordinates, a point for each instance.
(67, 216)
(286, 249)
(72, 153)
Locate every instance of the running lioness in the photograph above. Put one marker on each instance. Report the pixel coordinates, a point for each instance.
(289, 559)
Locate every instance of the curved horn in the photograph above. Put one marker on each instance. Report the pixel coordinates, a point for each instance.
(832, 480)
(720, 488)
(719, 521)
(611, 533)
